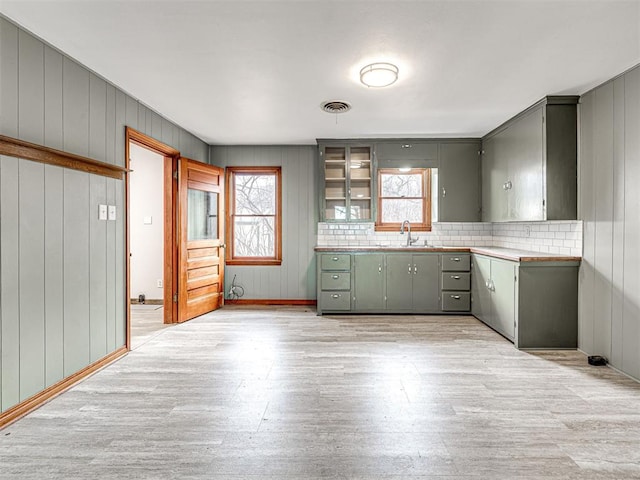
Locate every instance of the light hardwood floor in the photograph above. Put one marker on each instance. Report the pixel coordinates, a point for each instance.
(283, 394)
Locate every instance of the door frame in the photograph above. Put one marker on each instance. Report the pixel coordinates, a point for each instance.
(170, 188)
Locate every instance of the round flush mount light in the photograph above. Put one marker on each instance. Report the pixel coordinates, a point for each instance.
(379, 74)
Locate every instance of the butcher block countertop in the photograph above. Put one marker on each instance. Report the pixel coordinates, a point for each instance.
(496, 252)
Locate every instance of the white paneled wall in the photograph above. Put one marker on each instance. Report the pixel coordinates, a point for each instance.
(561, 237)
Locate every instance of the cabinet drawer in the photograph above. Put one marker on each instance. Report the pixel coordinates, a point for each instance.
(335, 281)
(455, 262)
(456, 281)
(335, 300)
(335, 261)
(456, 301)
(408, 150)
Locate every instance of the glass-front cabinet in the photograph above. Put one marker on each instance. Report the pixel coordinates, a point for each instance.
(346, 182)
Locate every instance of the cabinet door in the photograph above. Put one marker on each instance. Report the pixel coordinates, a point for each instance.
(369, 282)
(399, 282)
(494, 178)
(426, 285)
(523, 141)
(480, 293)
(503, 295)
(459, 182)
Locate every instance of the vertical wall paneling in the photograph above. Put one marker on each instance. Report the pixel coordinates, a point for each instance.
(97, 269)
(295, 278)
(53, 273)
(585, 327)
(31, 260)
(30, 88)
(120, 320)
(75, 104)
(603, 218)
(142, 119)
(9, 284)
(110, 126)
(8, 78)
(76, 270)
(97, 118)
(111, 270)
(631, 312)
(62, 271)
(617, 293)
(53, 134)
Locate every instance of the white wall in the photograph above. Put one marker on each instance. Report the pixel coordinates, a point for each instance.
(146, 202)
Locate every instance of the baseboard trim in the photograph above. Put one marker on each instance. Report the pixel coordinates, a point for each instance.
(269, 301)
(134, 301)
(39, 399)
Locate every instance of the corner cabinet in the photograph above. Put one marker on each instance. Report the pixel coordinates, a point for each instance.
(346, 182)
(533, 304)
(529, 164)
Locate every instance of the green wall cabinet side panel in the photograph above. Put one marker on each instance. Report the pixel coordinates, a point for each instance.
(426, 283)
(459, 178)
(552, 323)
(504, 313)
(31, 256)
(494, 177)
(369, 282)
(480, 292)
(399, 279)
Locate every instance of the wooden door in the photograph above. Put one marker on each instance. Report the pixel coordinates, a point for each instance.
(201, 239)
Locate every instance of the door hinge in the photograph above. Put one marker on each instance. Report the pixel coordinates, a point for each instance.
(175, 174)
(175, 298)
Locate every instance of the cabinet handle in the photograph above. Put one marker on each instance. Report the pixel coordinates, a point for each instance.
(444, 192)
(335, 277)
(379, 268)
(455, 259)
(455, 297)
(415, 269)
(409, 271)
(407, 145)
(335, 295)
(455, 277)
(507, 185)
(335, 259)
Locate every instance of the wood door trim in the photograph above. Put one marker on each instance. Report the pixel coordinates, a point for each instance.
(170, 189)
(13, 147)
(37, 400)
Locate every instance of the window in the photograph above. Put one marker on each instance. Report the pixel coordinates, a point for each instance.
(404, 196)
(254, 216)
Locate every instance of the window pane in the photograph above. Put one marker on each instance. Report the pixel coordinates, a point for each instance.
(396, 211)
(401, 185)
(254, 237)
(255, 194)
(202, 215)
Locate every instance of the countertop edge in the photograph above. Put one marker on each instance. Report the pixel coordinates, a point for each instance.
(494, 252)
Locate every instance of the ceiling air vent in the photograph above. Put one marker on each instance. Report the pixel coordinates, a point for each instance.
(335, 106)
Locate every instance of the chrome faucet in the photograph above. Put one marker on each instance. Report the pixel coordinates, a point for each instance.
(410, 240)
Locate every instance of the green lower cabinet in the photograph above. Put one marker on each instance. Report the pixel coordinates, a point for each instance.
(369, 282)
(412, 283)
(480, 291)
(399, 283)
(426, 285)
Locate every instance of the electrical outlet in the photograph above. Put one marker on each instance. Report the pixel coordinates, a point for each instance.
(112, 212)
(159, 283)
(102, 212)
(527, 230)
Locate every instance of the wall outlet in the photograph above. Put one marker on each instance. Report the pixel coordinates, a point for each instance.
(102, 212)
(159, 283)
(112, 212)
(527, 230)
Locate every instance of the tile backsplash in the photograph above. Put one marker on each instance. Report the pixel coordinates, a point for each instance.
(563, 237)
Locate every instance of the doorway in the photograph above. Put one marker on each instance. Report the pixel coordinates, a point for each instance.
(174, 235)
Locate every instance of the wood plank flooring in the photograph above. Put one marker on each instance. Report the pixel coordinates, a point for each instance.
(280, 393)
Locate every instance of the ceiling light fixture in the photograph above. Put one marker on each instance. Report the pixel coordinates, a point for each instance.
(379, 74)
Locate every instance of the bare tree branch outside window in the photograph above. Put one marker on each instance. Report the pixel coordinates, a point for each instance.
(254, 216)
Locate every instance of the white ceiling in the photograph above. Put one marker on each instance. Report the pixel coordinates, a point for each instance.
(256, 72)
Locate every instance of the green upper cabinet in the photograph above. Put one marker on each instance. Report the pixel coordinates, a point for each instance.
(347, 182)
(529, 164)
(458, 181)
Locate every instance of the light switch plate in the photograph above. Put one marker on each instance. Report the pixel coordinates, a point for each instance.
(102, 212)
(147, 220)
(112, 212)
